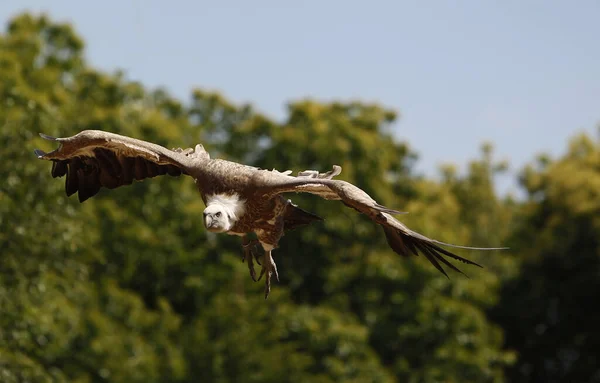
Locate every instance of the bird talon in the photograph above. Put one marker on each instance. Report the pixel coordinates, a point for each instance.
(269, 268)
(248, 255)
(267, 288)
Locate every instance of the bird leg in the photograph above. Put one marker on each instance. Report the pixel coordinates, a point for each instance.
(268, 269)
(248, 245)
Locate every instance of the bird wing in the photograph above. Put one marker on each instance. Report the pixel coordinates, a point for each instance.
(399, 237)
(93, 159)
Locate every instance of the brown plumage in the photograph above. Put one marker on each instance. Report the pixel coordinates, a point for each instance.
(240, 199)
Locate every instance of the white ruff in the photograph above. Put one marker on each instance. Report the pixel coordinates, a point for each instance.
(231, 203)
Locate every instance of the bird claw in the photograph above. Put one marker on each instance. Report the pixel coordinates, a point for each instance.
(257, 259)
(251, 269)
(269, 268)
(250, 255)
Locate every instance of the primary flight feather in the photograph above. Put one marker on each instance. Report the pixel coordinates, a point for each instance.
(240, 200)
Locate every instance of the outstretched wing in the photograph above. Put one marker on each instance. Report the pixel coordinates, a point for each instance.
(399, 237)
(94, 159)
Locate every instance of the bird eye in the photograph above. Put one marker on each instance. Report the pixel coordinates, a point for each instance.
(218, 214)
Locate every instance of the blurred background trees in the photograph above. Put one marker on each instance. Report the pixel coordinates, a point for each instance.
(128, 287)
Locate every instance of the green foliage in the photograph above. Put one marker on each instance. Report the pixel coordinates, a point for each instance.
(548, 308)
(128, 287)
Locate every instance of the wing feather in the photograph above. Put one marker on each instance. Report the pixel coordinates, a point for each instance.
(127, 169)
(94, 159)
(59, 169)
(72, 183)
(399, 237)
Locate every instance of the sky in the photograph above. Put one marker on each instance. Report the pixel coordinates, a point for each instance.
(524, 75)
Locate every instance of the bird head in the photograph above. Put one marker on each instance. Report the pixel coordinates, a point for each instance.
(217, 219)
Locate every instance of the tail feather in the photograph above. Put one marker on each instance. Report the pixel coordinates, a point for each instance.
(294, 217)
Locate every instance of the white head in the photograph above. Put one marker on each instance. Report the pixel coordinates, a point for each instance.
(221, 213)
(216, 219)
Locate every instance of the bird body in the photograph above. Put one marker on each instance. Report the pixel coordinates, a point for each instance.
(240, 199)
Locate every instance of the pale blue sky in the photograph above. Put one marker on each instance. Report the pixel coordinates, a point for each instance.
(522, 74)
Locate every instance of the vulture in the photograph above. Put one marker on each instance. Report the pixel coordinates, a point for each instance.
(239, 199)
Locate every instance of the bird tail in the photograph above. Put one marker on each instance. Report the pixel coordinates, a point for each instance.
(294, 217)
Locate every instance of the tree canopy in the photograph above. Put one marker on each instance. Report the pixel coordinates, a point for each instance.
(129, 287)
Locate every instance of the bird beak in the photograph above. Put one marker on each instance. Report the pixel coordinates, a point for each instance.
(208, 221)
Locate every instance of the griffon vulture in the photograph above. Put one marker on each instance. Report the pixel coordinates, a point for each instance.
(239, 199)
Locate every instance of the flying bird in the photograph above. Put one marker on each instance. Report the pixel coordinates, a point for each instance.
(239, 199)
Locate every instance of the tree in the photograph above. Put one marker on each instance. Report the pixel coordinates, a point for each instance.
(129, 287)
(547, 308)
